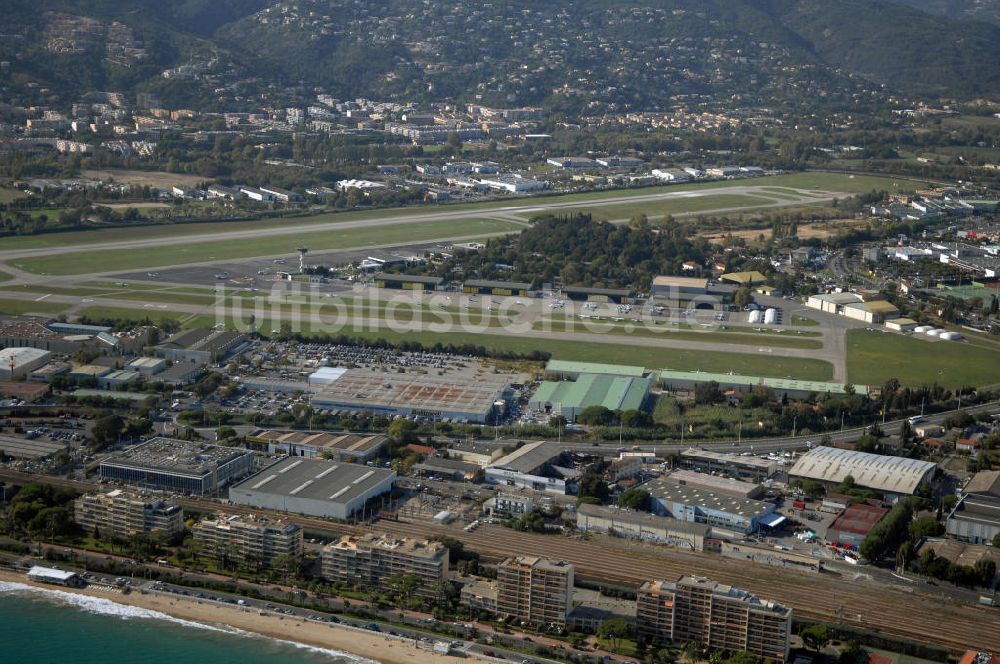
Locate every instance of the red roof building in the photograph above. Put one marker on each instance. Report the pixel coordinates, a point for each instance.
(854, 523)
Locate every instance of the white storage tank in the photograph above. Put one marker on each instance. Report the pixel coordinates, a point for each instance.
(771, 317)
(951, 336)
(921, 329)
(755, 316)
(933, 332)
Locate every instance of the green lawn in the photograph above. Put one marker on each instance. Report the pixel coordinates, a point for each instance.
(16, 307)
(155, 315)
(5, 277)
(676, 206)
(86, 262)
(744, 337)
(875, 357)
(802, 320)
(7, 194)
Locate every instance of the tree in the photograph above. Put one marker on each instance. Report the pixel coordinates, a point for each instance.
(635, 499)
(996, 540)
(815, 637)
(595, 415)
(925, 526)
(615, 630)
(986, 571)
(905, 554)
(742, 297)
(403, 430)
(107, 429)
(707, 393)
(403, 586)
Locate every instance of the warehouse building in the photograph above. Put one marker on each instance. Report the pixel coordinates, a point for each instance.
(485, 287)
(16, 363)
(148, 366)
(202, 346)
(749, 468)
(123, 514)
(316, 488)
(795, 389)
(832, 303)
(853, 524)
(532, 466)
(679, 289)
(535, 590)
(248, 540)
(716, 484)
(875, 312)
(748, 279)
(339, 446)
(736, 515)
(713, 615)
(407, 281)
(31, 448)
(891, 476)
(570, 398)
(976, 517)
(478, 398)
(178, 465)
(641, 526)
(370, 560)
(564, 369)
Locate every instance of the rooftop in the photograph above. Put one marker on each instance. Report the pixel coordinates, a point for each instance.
(538, 562)
(721, 485)
(566, 367)
(744, 278)
(176, 456)
(313, 479)
(776, 384)
(612, 392)
(882, 473)
(529, 457)
(677, 493)
(858, 519)
(985, 481)
(680, 282)
(643, 519)
(417, 279)
(725, 458)
(19, 356)
(346, 442)
(402, 545)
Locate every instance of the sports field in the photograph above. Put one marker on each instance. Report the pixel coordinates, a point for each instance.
(875, 357)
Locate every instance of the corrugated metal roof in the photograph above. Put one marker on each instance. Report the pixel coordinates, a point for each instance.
(882, 473)
(563, 366)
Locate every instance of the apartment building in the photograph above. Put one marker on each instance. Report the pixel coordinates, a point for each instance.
(245, 540)
(370, 560)
(715, 615)
(123, 514)
(535, 590)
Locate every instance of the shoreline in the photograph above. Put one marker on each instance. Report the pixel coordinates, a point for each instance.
(358, 644)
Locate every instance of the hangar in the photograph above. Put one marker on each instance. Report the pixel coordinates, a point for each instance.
(889, 475)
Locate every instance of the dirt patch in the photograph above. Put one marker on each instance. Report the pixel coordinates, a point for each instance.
(137, 206)
(143, 178)
(820, 229)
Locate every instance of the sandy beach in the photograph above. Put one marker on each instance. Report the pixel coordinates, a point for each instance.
(389, 650)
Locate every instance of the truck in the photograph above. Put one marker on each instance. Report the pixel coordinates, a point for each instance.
(986, 600)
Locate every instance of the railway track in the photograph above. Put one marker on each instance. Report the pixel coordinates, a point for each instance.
(829, 597)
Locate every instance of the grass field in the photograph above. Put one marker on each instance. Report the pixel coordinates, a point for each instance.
(802, 320)
(7, 194)
(5, 277)
(676, 206)
(874, 357)
(154, 315)
(88, 262)
(16, 307)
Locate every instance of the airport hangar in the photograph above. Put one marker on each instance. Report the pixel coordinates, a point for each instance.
(313, 487)
(477, 399)
(891, 476)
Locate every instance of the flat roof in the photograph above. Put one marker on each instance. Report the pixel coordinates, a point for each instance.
(624, 292)
(978, 508)
(985, 481)
(681, 282)
(725, 458)
(744, 278)
(777, 384)
(314, 479)
(671, 492)
(875, 306)
(837, 298)
(612, 392)
(50, 573)
(858, 519)
(644, 519)
(347, 442)
(21, 355)
(564, 366)
(22, 448)
(414, 278)
(528, 457)
(485, 283)
(176, 456)
(722, 485)
(882, 473)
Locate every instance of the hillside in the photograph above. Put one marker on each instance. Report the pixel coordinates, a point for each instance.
(643, 54)
(975, 10)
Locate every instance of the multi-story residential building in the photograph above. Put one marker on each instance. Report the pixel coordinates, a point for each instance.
(717, 616)
(371, 560)
(535, 590)
(245, 540)
(123, 514)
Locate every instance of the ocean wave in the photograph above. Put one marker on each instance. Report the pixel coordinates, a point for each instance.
(107, 607)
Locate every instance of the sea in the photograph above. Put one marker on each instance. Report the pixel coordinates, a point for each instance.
(42, 626)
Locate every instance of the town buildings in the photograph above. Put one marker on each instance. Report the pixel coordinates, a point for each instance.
(246, 540)
(177, 465)
(123, 514)
(535, 590)
(371, 560)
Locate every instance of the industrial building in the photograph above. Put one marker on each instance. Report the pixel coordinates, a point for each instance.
(832, 303)
(853, 524)
(481, 454)
(721, 485)
(891, 476)
(16, 363)
(535, 590)
(178, 465)
(749, 468)
(587, 294)
(748, 279)
(248, 540)
(340, 446)
(370, 560)
(976, 517)
(570, 398)
(479, 398)
(202, 346)
(875, 312)
(407, 281)
(30, 448)
(716, 616)
(738, 515)
(509, 504)
(123, 514)
(794, 389)
(642, 526)
(528, 467)
(147, 366)
(485, 287)
(679, 289)
(447, 469)
(564, 369)
(310, 486)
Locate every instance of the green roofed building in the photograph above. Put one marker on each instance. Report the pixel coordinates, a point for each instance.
(793, 388)
(569, 398)
(574, 370)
